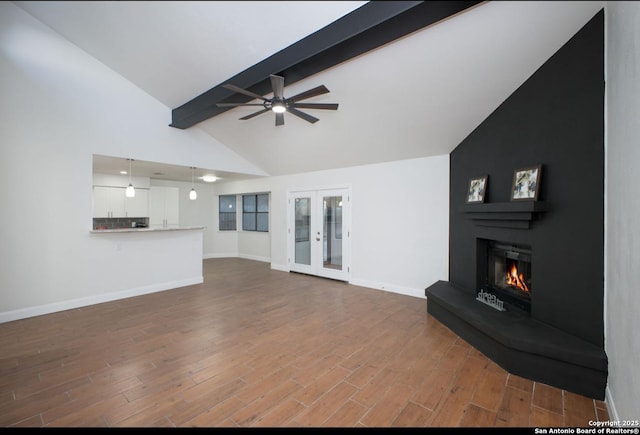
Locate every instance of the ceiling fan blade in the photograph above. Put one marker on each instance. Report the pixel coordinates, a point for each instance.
(318, 90)
(244, 91)
(279, 119)
(260, 112)
(238, 104)
(328, 106)
(302, 115)
(277, 84)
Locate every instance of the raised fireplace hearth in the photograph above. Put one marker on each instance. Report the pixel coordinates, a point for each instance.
(519, 344)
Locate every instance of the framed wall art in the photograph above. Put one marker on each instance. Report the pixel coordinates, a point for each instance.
(477, 189)
(526, 183)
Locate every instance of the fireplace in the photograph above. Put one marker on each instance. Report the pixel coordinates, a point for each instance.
(554, 116)
(506, 272)
(509, 329)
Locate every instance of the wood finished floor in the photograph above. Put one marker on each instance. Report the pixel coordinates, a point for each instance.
(253, 346)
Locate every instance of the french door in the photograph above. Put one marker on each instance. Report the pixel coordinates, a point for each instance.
(319, 233)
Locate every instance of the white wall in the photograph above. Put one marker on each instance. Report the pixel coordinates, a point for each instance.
(400, 220)
(622, 243)
(58, 107)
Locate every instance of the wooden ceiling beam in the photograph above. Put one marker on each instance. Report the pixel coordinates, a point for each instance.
(372, 25)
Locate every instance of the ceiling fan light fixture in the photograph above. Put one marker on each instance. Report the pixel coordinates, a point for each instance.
(278, 108)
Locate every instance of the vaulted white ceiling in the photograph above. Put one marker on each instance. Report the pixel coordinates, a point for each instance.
(418, 96)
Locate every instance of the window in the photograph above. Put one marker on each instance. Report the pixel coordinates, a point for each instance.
(255, 212)
(227, 212)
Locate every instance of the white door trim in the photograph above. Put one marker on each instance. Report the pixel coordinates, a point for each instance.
(317, 235)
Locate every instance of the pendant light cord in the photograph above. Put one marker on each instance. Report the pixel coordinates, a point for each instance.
(130, 192)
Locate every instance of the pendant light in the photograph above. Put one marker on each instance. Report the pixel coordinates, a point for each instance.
(192, 195)
(130, 192)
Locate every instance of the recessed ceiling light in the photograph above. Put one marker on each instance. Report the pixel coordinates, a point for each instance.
(209, 178)
(123, 172)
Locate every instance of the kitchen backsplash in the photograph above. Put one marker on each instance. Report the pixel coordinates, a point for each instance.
(119, 223)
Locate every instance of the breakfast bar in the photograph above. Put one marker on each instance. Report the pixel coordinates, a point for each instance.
(145, 230)
(136, 261)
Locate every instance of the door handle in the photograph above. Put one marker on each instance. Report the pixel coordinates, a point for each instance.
(318, 236)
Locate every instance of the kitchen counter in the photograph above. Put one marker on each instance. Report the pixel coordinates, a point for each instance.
(145, 230)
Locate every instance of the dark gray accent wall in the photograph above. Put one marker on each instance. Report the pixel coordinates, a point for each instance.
(556, 118)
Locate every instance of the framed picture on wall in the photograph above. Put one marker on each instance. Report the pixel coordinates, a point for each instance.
(526, 183)
(477, 189)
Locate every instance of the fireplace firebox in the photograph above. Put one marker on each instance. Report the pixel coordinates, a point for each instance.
(505, 271)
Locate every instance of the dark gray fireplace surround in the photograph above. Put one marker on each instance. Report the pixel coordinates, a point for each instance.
(556, 119)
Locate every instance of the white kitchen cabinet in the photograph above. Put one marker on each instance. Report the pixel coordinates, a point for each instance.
(108, 202)
(138, 206)
(164, 206)
(111, 202)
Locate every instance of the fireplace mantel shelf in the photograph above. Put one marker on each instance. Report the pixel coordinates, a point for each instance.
(517, 214)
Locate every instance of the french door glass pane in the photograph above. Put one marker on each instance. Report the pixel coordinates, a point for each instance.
(302, 231)
(332, 226)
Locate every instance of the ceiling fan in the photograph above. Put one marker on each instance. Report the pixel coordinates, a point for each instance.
(279, 104)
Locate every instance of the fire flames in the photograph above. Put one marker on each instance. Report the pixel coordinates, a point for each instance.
(516, 279)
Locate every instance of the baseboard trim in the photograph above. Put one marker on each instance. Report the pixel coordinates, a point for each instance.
(280, 267)
(254, 257)
(408, 291)
(236, 255)
(611, 407)
(207, 256)
(40, 310)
